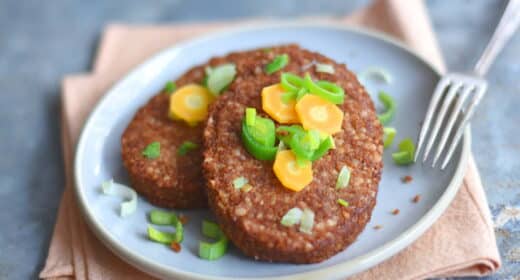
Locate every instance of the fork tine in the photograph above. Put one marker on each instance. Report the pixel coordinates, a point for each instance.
(446, 103)
(437, 94)
(481, 89)
(451, 121)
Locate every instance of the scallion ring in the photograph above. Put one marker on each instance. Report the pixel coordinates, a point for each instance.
(324, 89)
(291, 82)
(212, 251)
(127, 207)
(220, 77)
(278, 63)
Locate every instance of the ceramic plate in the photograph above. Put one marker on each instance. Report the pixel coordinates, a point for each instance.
(98, 157)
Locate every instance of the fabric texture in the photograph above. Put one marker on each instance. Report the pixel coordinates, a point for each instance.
(461, 243)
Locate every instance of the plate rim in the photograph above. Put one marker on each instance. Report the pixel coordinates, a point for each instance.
(346, 268)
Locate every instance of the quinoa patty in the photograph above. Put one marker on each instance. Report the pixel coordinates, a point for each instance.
(170, 181)
(252, 219)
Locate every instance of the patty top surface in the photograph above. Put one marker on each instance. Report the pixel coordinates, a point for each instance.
(170, 180)
(252, 219)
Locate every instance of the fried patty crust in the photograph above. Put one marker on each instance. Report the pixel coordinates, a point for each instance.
(171, 180)
(252, 219)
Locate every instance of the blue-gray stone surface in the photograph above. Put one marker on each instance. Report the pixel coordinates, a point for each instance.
(41, 41)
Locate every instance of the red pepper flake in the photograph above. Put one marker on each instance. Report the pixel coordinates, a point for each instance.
(395, 211)
(416, 198)
(378, 227)
(407, 179)
(183, 219)
(176, 247)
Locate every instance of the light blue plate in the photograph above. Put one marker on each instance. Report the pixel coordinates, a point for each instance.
(98, 157)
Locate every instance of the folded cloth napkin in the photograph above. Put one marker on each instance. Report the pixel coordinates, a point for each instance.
(460, 243)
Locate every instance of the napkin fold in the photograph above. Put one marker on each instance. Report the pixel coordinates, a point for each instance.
(461, 243)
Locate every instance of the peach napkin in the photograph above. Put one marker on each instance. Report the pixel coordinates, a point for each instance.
(460, 243)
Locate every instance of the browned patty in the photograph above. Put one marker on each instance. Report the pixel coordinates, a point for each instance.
(252, 219)
(170, 181)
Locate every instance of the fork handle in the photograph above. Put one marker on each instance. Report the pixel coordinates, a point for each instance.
(505, 29)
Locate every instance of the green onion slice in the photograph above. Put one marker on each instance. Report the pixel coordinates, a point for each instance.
(212, 251)
(325, 68)
(186, 147)
(220, 77)
(406, 152)
(307, 145)
(255, 148)
(291, 82)
(167, 237)
(343, 202)
(239, 182)
(158, 217)
(160, 236)
(288, 96)
(170, 87)
(390, 107)
(376, 73)
(388, 136)
(326, 90)
(127, 207)
(307, 221)
(301, 93)
(279, 62)
(292, 217)
(343, 178)
(152, 151)
(325, 146)
(250, 116)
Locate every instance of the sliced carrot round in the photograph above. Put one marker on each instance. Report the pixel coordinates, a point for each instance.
(190, 103)
(316, 113)
(272, 104)
(292, 175)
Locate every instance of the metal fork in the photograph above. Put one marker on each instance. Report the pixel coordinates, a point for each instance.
(454, 89)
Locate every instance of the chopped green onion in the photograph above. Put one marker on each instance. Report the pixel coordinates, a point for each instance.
(376, 73)
(239, 182)
(307, 221)
(220, 77)
(390, 107)
(406, 152)
(158, 217)
(127, 207)
(325, 68)
(170, 87)
(388, 136)
(343, 178)
(343, 202)
(256, 149)
(152, 151)
(325, 145)
(301, 93)
(291, 82)
(160, 237)
(288, 96)
(212, 251)
(278, 63)
(167, 237)
(307, 145)
(211, 230)
(326, 90)
(186, 147)
(292, 217)
(250, 116)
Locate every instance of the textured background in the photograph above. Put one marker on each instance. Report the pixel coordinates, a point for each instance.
(41, 41)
